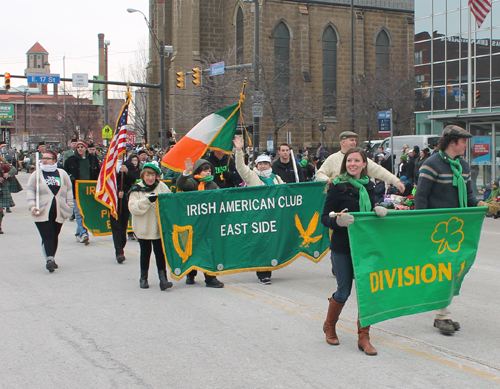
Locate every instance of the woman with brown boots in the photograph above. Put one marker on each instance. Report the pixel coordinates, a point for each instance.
(351, 191)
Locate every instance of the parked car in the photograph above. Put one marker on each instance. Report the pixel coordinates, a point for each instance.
(374, 144)
(422, 141)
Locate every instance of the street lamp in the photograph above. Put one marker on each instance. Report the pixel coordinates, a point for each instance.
(161, 53)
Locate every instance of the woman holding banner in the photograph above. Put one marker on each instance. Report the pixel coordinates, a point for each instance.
(50, 201)
(262, 174)
(142, 205)
(351, 191)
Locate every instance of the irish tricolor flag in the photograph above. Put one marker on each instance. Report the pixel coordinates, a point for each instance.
(215, 132)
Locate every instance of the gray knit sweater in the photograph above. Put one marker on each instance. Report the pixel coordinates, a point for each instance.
(435, 185)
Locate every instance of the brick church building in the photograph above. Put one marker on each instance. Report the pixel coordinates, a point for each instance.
(304, 61)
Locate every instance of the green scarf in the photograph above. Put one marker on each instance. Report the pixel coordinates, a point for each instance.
(145, 188)
(205, 179)
(268, 181)
(458, 180)
(364, 200)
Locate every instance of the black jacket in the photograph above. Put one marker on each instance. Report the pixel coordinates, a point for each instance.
(285, 171)
(72, 167)
(339, 197)
(379, 192)
(230, 177)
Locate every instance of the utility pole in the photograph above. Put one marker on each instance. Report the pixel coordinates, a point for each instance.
(256, 68)
(105, 99)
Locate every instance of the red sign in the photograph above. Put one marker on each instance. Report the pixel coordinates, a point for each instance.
(480, 149)
(130, 137)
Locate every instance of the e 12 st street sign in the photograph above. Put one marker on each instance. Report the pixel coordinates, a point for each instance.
(44, 78)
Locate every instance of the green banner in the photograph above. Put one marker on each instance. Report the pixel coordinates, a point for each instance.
(7, 111)
(242, 229)
(95, 216)
(411, 261)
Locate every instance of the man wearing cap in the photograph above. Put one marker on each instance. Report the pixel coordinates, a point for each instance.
(444, 182)
(143, 157)
(331, 167)
(71, 151)
(283, 166)
(81, 166)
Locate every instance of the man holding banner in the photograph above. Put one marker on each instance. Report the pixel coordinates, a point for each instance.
(444, 182)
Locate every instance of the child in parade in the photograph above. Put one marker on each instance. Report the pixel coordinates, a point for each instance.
(351, 191)
(202, 179)
(55, 204)
(142, 205)
(262, 174)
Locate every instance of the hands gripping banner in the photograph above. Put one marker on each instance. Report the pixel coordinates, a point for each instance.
(242, 229)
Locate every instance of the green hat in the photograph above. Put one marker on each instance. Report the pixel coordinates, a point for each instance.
(403, 157)
(153, 166)
(347, 134)
(453, 130)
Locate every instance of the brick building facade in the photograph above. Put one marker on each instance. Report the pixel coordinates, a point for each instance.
(305, 65)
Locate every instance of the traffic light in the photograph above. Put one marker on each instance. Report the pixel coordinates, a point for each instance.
(197, 76)
(7, 81)
(180, 80)
(478, 95)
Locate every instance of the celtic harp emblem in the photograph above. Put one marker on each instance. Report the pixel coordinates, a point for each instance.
(182, 237)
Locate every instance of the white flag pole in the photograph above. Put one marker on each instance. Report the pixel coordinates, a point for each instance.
(37, 198)
(469, 64)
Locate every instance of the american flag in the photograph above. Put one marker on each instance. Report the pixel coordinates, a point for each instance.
(480, 9)
(106, 191)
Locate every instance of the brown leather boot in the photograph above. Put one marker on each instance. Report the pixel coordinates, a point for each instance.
(364, 340)
(332, 317)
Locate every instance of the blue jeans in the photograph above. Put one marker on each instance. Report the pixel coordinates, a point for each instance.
(80, 229)
(342, 266)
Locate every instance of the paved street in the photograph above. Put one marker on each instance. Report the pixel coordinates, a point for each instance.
(89, 325)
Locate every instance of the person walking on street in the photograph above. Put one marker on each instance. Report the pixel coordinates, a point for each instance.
(55, 204)
(444, 182)
(81, 166)
(331, 167)
(7, 173)
(351, 191)
(283, 166)
(71, 151)
(143, 207)
(262, 174)
(202, 179)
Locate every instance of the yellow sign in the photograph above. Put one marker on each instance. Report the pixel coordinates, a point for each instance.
(107, 133)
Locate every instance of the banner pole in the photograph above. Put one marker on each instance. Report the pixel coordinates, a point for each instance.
(37, 198)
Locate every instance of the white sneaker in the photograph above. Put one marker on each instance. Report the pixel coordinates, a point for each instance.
(78, 238)
(85, 239)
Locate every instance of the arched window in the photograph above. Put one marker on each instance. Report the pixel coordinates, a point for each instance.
(329, 72)
(282, 70)
(382, 52)
(239, 36)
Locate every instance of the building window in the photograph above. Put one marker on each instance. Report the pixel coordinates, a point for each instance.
(282, 70)
(329, 72)
(418, 57)
(239, 36)
(382, 52)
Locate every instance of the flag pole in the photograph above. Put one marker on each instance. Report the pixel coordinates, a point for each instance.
(469, 62)
(37, 198)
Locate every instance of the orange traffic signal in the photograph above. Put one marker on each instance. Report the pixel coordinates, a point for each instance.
(7, 81)
(197, 76)
(180, 80)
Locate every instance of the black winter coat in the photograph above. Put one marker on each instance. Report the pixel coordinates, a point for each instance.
(339, 197)
(72, 167)
(230, 177)
(285, 171)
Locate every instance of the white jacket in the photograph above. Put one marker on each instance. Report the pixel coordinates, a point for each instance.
(251, 177)
(331, 169)
(144, 214)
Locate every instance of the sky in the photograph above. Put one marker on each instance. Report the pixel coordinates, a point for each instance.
(68, 29)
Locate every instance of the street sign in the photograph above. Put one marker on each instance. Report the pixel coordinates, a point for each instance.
(26, 136)
(80, 80)
(107, 133)
(384, 123)
(131, 138)
(270, 145)
(7, 111)
(217, 68)
(44, 79)
(257, 110)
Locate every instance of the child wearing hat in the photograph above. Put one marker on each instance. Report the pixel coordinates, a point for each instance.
(142, 205)
(262, 174)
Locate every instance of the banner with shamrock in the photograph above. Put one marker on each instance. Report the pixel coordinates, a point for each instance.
(242, 229)
(95, 216)
(412, 261)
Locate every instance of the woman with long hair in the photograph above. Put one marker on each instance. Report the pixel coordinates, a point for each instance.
(351, 191)
(55, 204)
